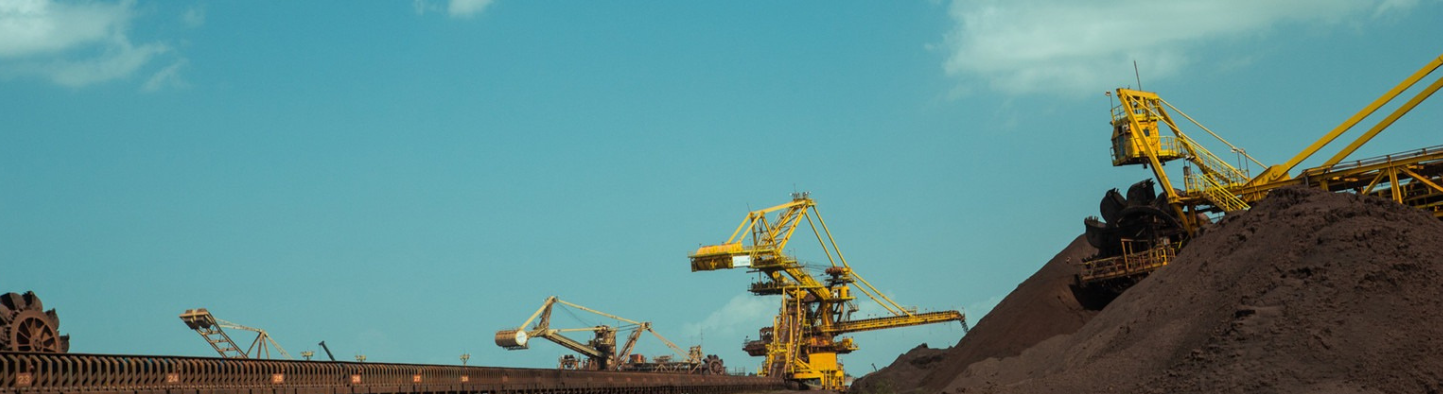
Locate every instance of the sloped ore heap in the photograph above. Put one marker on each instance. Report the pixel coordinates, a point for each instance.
(1308, 292)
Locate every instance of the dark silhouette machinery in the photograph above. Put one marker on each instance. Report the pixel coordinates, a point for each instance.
(25, 325)
(328, 350)
(601, 352)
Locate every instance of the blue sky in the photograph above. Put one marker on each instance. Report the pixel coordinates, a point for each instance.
(402, 179)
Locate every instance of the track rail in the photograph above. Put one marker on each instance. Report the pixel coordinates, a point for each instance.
(43, 373)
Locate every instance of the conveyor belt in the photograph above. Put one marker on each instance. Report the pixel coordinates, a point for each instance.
(101, 373)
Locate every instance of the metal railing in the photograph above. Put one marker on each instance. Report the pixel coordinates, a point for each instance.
(1128, 264)
(1400, 156)
(1219, 195)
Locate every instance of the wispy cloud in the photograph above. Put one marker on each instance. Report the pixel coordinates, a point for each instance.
(453, 8)
(741, 316)
(194, 16)
(1075, 48)
(168, 77)
(467, 8)
(72, 45)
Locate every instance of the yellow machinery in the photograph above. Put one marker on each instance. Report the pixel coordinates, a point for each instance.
(213, 331)
(1140, 232)
(805, 337)
(601, 351)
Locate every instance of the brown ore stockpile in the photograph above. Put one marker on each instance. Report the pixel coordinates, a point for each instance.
(1307, 292)
(1041, 307)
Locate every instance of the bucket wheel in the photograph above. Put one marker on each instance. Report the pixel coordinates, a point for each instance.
(1141, 215)
(25, 325)
(712, 365)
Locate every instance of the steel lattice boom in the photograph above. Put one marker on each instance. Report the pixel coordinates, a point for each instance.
(805, 337)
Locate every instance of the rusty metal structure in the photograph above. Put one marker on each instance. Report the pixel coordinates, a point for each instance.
(25, 325)
(92, 373)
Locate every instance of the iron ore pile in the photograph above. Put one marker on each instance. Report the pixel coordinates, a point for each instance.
(1307, 292)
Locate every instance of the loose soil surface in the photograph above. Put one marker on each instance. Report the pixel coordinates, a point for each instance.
(1041, 307)
(1308, 292)
(902, 375)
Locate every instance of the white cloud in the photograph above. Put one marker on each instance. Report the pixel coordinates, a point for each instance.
(454, 8)
(1394, 5)
(467, 8)
(31, 27)
(742, 316)
(421, 6)
(1081, 48)
(193, 16)
(119, 60)
(71, 44)
(166, 77)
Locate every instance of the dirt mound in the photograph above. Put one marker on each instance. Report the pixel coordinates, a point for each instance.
(1041, 307)
(1307, 292)
(902, 375)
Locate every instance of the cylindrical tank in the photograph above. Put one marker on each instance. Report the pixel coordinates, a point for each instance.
(511, 339)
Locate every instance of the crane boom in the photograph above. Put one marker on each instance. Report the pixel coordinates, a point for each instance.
(1140, 233)
(1280, 171)
(590, 350)
(328, 351)
(601, 351)
(880, 323)
(213, 331)
(803, 342)
(767, 253)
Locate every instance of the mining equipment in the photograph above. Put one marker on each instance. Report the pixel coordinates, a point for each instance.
(25, 325)
(328, 351)
(1143, 231)
(213, 331)
(601, 352)
(806, 335)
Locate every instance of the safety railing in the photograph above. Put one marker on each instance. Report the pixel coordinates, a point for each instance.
(1219, 195)
(1128, 264)
(1389, 158)
(1216, 168)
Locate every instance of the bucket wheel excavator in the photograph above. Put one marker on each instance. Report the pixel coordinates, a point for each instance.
(1143, 231)
(601, 351)
(25, 325)
(806, 335)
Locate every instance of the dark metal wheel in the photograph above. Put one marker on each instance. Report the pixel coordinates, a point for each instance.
(26, 327)
(712, 365)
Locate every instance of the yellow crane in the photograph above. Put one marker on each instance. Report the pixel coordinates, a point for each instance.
(213, 331)
(805, 337)
(1142, 231)
(601, 352)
